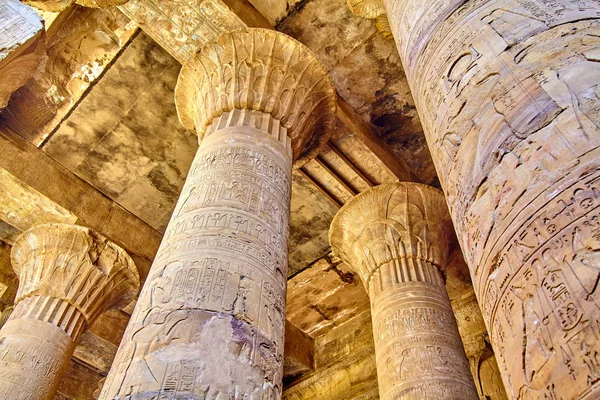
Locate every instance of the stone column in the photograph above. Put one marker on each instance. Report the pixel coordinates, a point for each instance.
(508, 94)
(68, 276)
(397, 238)
(210, 320)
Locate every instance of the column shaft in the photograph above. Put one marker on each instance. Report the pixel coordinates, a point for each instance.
(418, 348)
(210, 319)
(507, 91)
(34, 352)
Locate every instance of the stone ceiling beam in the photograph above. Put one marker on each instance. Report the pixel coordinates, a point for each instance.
(355, 124)
(299, 351)
(33, 167)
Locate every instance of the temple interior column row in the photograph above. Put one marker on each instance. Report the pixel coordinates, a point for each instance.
(507, 92)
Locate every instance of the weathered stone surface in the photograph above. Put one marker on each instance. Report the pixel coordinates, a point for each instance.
(397, 238)
(63, 188)
(473, 332)
(82, 43)
(219, 277)
(367, 74)
(324, 296)
(22, 45)
(68, 276)
(124, 137)
(23, 207)
(59, 5)
(79, 382)
(302, 346)
(507, 91)
(275, 11)
(181, 27)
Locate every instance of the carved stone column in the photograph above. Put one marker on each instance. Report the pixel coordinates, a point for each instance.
(68, 276)
(397, 238)
(508, 94)
(209, 322)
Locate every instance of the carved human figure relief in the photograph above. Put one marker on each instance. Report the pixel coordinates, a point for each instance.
(22, 46)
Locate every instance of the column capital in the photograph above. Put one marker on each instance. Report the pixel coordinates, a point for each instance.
(372, 9)
(260, 70)
(59, 5)
(389, 223)
(368, 9)
(75, 265)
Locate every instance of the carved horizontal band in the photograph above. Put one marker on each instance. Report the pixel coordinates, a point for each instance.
(254, 119)
(261, 70)
(54, 311)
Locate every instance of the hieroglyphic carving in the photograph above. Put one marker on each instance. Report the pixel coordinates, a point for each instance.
(507, 91)
(397, 237)
(68, 276)
(180, 27)
(22, 46)
(210, 320)
(217, 288)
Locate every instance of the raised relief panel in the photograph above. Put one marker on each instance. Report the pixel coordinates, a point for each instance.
(180, 28)
(22, 46)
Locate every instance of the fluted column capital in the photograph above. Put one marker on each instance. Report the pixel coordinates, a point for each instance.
(59, 5)
(259, 70)
(389, 223)
(73, 265)
(372, 9)
(369, 9)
